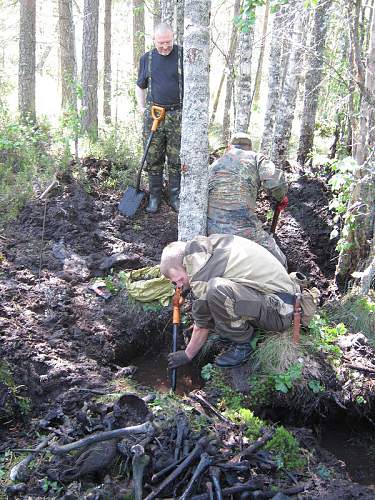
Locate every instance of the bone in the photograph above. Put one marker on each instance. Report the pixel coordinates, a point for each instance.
(252, 485)
(182, 428)
(204, 462)
(198, 397)
(139, 462)
(19, 471)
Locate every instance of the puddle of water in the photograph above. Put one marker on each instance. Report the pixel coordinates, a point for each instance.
(355, 448)
(152, 372)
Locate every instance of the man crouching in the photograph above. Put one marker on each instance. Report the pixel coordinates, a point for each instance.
(237, 286)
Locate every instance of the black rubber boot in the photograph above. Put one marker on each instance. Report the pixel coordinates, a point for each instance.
(155, 183)
(236, 355)
(174, 183)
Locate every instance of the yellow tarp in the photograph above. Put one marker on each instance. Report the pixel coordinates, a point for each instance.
(147, 285)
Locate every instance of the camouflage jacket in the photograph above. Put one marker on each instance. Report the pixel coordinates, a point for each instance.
(237, 259)
(235, 179)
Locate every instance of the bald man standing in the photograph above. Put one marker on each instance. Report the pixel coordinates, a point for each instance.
(160, 82)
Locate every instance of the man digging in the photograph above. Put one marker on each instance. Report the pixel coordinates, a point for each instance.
(237, 286)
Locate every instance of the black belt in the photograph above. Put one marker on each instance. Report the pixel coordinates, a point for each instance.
(169, 107)
(286, 297)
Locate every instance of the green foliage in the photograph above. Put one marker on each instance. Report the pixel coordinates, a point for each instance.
(283, 382)
(315, 386)
(51, 486)
(15, 405)
(341, 182)
(207, 371)
(25, 156)
(360, 400)
(325, 336)
(244, 416)
(230, 399)
(286, 449)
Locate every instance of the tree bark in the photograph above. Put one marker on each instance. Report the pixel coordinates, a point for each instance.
(217, 98)
(230, 75)
(288, 98)
(26, 65)
(68, 64)
(194, 137)
(243, 94)
(90, 68)
(274, 81)
(107, 76)
(314, 75)
(258, 76)
(179, 21)
(167, 11)
(138, 31)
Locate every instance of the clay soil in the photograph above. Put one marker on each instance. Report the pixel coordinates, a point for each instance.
(63, 341)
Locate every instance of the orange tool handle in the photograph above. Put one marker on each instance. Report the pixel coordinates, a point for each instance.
(297, 319)
(157, 114)
(176, 304)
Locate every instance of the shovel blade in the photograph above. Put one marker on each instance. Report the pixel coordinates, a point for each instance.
(131, 201)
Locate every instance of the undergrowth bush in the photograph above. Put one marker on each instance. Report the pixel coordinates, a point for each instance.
(286, 450)
(25, 157)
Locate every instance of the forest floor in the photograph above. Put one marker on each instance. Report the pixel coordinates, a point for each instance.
(66, 345)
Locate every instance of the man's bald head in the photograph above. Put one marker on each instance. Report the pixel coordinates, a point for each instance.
(163, 39)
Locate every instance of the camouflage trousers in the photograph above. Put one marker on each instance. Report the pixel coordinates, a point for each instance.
(246, 224)
(236, 310)
(165, 144)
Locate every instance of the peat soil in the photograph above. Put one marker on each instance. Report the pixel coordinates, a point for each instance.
(63, 341)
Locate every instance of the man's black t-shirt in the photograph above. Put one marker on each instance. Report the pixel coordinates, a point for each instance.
(164, 77)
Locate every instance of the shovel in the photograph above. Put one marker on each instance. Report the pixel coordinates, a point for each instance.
(176, 320)
(133, 196)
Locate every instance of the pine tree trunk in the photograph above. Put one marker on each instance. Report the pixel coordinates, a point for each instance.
(288, 98)
(258, 76)
(107, 76)
(68, 64)
(26, 65)
(230, 75)
(274, 81)
(243, 94)
(90, 68)
(138, 31)
(313, 80)
(194, 138)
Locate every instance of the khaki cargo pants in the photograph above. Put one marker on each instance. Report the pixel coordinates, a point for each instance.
(236, 310)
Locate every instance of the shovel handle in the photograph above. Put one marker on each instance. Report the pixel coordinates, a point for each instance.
(158, 115)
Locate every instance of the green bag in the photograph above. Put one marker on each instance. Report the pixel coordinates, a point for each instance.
(147, 285)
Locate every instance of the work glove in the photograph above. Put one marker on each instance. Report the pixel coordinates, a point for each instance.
(176, 359)
(282, 204)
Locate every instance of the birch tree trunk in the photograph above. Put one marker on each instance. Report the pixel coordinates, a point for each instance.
(192, 216)
(26, 64)
(313, 80)
(230, 75)
(217, 98)
(288, 98)
(107, 76)
(68, 64)
(243, 94)
(138, 31)
(167, 11)
(156, 13)
(90, 68)
(274, 80)
(258, 76)
(360, 217)
(180, 21)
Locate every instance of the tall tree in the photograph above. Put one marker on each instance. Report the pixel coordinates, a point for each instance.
(274, 80)
(107, 76)
(243, 93)
(26, 65)
(180, 21)
(167, 11)
(194, 136)
(68, 65)
(138, 31)
(231, 73)
(314, 75)
(258, 75)
(288, 98)
(90, 67)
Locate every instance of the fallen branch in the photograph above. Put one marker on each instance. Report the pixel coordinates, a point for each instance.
(197, 396)
(197, 451)
(259, 443)
(17, 472)
(360, 368)
(204, 462)
(146, 428)
(252, 485)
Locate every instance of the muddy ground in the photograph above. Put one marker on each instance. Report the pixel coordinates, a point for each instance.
(63, 341)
